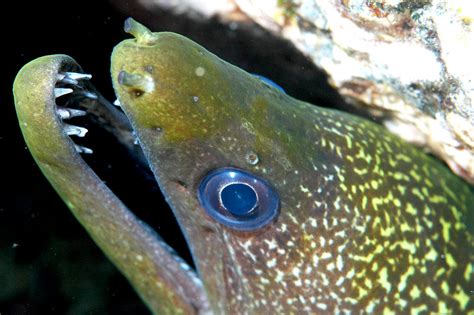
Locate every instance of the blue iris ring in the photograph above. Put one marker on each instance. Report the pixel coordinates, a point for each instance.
(238, 199)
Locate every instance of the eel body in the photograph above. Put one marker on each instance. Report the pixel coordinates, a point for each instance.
(287, 207)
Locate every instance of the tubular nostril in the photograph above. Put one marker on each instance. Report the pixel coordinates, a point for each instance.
(142, 34)
(136, 82)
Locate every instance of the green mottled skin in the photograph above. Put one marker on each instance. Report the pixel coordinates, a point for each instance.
(367, 223)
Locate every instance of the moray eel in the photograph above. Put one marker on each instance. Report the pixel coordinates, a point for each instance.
(287, 207)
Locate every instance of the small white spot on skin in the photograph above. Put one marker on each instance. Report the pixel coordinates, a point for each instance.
(302, 299)
(339, 263)
(321, 306)
(315, 260)
(296, 272)
(340, 281)
(279, 276)
(200, 71)
(271, 263)
(139, 257)
(323, 241)
(330, 267)
(272, 244)
(304, 189)
(264, 280)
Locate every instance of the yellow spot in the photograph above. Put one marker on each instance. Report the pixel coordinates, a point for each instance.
(468, 272)
(415, 292)
(432, 294)
(438, 199)
(461, 297)
(343, 187)
(370, 307)
(362, 293)
(387, 311)
(411, 209)
(405, 227)
(364, 202)
(431, 255)
(397, 202)
(304, 189)
(403, 157)
(419, 309)
(368, 283)
(445, 287)
(415, 175)
(375, 266)
(374, 184)
(442, 308)
(383, 280)
(400, 176)
(402, 189)
(376, 202)
(403, 279)
(446, 227)
(439, 273)
(362, 171)
(408, 247)
(417, 193)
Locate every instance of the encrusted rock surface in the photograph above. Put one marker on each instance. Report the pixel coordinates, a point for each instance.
(406, 62)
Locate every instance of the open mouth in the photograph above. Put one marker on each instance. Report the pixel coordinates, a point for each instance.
(102, 134)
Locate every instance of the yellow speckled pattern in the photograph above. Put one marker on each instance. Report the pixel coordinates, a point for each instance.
(368, 224)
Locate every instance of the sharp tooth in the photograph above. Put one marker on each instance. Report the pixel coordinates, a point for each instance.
(58, 92)
(77, 76)
(72, 130)
(68, 80)
(117, 103)
(81, 149)
(66, 113)
(90, 95)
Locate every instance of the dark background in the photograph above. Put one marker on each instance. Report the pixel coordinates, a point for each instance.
(48, 264)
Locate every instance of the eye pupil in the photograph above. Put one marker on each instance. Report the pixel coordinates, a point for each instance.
(239, 199)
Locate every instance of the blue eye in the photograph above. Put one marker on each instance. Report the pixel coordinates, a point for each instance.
(238, 199)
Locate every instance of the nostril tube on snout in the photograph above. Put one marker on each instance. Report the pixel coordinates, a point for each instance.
(142, 34)
(135, 81)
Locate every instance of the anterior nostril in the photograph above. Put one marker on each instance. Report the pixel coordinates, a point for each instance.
(142, 34)
(136, 82)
